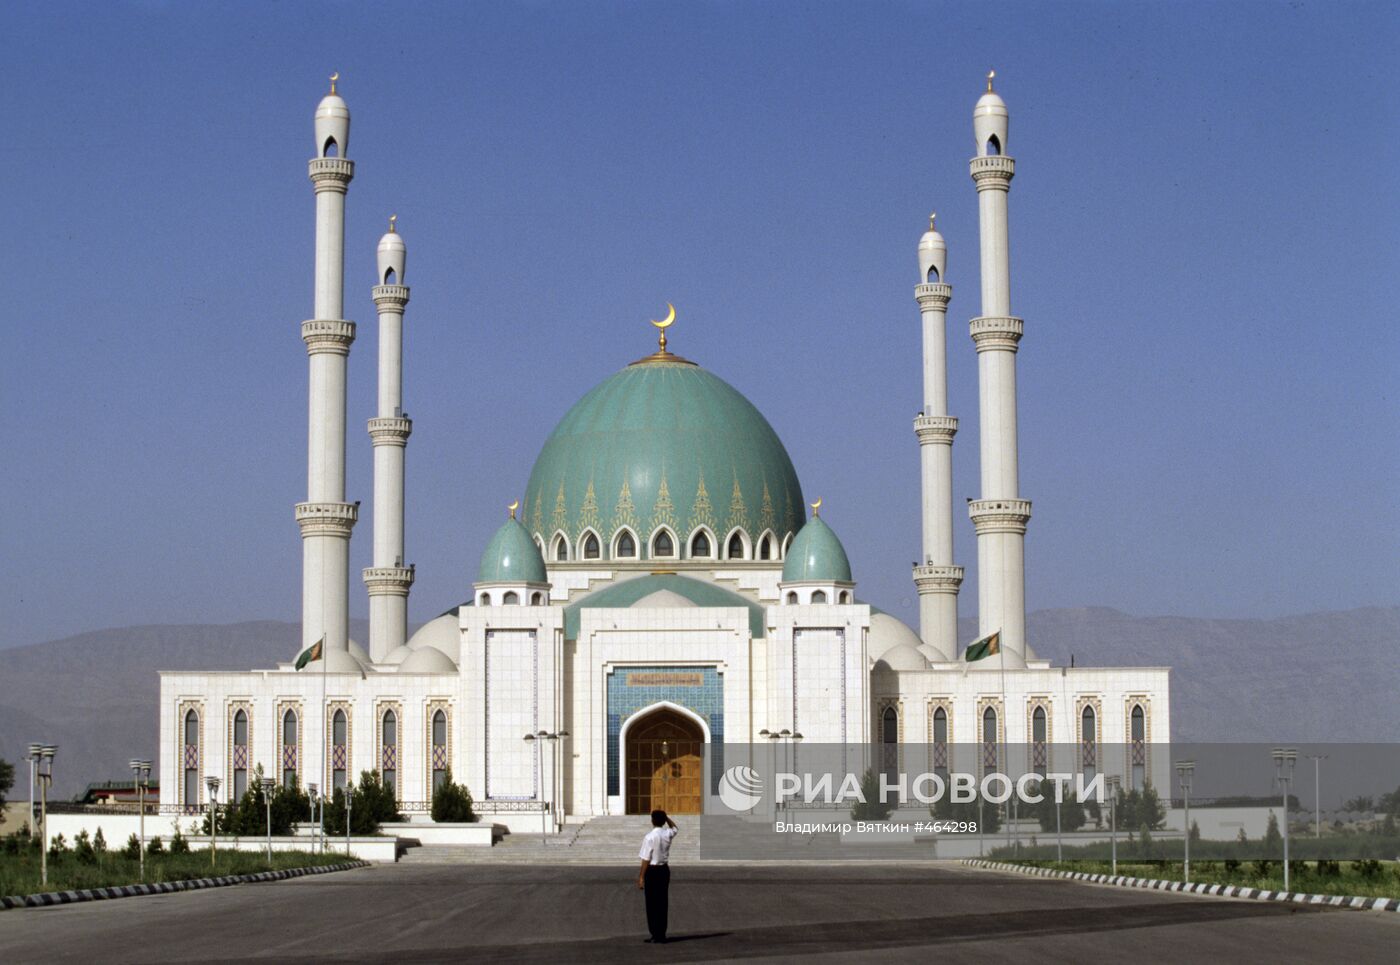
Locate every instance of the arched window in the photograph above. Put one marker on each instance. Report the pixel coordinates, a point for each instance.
(1088, 743)
(792, 598)
(787, 541)
(439, 749)
(486, 599)
(510, 599)
(1038, 738)
(389, 751)
(699, 546)
(626, 546)
(339, 749)
(389, 277)
(932, 274)
(289, 749)
(536, 598)
(765, 548)
(191, 759)
(940, 743)
(330, 149)
(818, 596)
(989, 739)
(993, 145)
(662, 545)
(889, 739)
(591, 549)
(240, 756)
(736, 547)
(844, 597)
(561, 549)
(1138, 734)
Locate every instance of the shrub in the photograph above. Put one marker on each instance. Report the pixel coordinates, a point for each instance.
(1262, 867)
(371, 803)
(99, 842)
(133, 847)
(179, 844)
(1232, 865)
(452, 803)
(155, 846)
(82, 848)
(1368, 868)
(1329, 869)
(872, 808)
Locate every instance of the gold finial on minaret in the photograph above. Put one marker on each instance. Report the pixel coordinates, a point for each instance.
(990, 75)
(392, 219)
(664, 324)
(816, 507)
(513, 507)
(334, 77)
(932, 217)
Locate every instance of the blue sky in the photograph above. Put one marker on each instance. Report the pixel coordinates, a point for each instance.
(1203, 228)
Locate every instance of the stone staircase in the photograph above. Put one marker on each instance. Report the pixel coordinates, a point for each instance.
(612, 840)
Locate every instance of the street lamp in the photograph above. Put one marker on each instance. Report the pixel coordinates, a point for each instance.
(34, 751)
(311, 789)
(267, 784)
(212, 783)
(1184, 770)
(141, 774)
(1113, 782)
(1285, 758)
(540, 738)
(45, 775)
(557, 784)
(1317, 793)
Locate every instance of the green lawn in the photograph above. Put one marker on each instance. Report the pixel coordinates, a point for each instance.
(1358, 879)
(19, 873)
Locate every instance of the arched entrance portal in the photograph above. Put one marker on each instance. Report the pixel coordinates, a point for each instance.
(665, 763)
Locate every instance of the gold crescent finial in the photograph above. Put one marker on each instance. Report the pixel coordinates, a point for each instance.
(932, 217)
(816, 507)
(665, 323)
(990, 75)
(392, 219)
(513, 507)
(334, 77)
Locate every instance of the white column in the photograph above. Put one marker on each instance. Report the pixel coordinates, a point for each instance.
(1000, 516)
(935, 576)
(388, 580)
(325, 519)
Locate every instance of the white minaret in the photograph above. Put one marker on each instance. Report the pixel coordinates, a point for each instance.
(388, 580)
(935, 576)
(326, 519)
(1000, 516)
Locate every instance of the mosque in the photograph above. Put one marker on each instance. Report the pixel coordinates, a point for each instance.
(660, 599)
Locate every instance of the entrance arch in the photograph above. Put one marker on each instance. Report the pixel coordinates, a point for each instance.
(664, 754)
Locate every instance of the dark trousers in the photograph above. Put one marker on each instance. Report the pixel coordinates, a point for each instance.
(657, 883)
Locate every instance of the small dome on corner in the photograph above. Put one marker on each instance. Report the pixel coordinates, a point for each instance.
(332, 124)
(512, 557)
(816, 554)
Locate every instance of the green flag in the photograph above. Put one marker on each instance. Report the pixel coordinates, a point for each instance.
(985, 647)
(311, 653)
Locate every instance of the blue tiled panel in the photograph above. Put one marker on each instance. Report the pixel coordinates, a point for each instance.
(706, 701)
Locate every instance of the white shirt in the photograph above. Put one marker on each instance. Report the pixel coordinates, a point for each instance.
(656, 846)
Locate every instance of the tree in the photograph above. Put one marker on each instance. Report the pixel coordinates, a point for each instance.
(83, 849)
(7, 781)
(1195, 833)
(99, 842)
(371, 803)
(133, 847)
(1151, 814)
(871, 808)
(1360, 804)
(1272, 839)
(452, 803)
(1071, 810)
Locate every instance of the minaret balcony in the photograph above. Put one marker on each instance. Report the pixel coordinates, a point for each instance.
(993, 172)
(933, 429)
(938, 579)
(933, 297)
(331, 173)
(390, 431)
(333, 335)
(390, 297)
(1000, 515)
(388, 580)
(996, 333)
(327, 519)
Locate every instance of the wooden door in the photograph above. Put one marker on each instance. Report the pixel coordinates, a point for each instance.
(665, 764)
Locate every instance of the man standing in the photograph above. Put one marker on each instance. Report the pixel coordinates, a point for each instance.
(655, 875)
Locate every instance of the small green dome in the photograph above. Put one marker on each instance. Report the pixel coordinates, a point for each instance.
(663, 443)
(512, 557)
(816, 554)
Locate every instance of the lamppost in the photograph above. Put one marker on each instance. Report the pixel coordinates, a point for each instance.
(212, 783)
(45, 781)
(34, 751)
(557, 783)
(141, 774)
(267, 784)
(1113, 782)
(772, 740)
(1184, 770)
(540, 738)
(1285, 758)
(1317, 793)
(311, 789)
(1060, 784)
(349, 804)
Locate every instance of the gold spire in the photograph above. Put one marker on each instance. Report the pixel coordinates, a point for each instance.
(664, 355)
(392, 219)
(932, 217)
(513, 507)
(664, 324)
(334, 77)
(816, 507)
(990, 75)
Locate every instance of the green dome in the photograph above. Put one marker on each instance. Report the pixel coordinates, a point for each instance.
(663, 443)
(816, 554)
(512, 557)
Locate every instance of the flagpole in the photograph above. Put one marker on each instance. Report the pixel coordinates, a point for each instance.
(1005, 710)
(326, 784)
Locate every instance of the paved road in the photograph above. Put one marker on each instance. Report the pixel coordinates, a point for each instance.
(482, 913)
